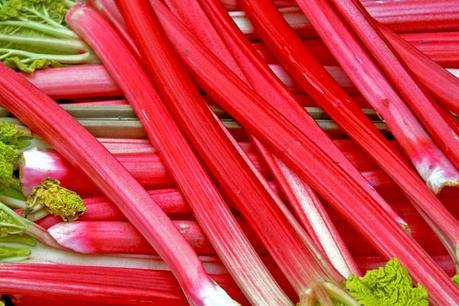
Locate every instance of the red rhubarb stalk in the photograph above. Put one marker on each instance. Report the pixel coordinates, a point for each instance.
(85, 81)
(148, 168)
(414, 97)
(101, 209)
(400, 16)
(44, 284)
(111, 11)
(440, 82)
(440, 47)
(306, 159)
(195, 184)
(306, 204)
(120, 237)
(430, 162)
(63, 132)
(306, 270)
(38, 165)
(101, 284)
(68, 82)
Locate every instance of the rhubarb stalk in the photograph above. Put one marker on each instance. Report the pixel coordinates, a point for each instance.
(74, 142)
(149, 170)
(431, 163)
(100, 285)
(306, 159)
(307, 271)
(400, 16)
(207, 203)
(306, 203)
(440, 82)
(414, 97)
(120, 237)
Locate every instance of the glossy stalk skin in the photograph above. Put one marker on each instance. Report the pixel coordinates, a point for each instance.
(75, 82)
(285, 240)
(440, 47)
(105, 237)
(54, 283)
(305, 203)
(77, 145)
(208, 205)
(86, 81)
(100, 286)
(443, 85)
(299, 153)
(113, 15)
(429, 161)
(113, 235)
(418, 101)
(400, 16)
(148, 169)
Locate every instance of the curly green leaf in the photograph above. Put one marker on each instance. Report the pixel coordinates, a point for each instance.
(388, 285)
(9, 133)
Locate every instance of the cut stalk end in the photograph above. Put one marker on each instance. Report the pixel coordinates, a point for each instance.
(437, 178)
(213, 294)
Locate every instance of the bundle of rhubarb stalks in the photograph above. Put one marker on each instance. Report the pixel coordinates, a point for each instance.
(223, 152)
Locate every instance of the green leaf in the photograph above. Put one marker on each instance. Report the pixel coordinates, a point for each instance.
(9, 134)
(33, 35)
(388, 285)
(9, 158)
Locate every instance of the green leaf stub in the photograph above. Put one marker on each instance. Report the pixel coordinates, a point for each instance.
(56, 199)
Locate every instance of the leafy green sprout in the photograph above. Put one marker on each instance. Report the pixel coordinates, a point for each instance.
(388, 285)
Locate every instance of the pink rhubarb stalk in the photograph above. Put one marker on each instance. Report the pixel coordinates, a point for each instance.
(306, 159)
(68, 82)
(64, 133)
(400, 16)
(98, 237)
(348, 51)
(440, 47)
(102, 284)
(99, 83)
(44, 284)
(195, 184)
(38, 165)
(311, 76)
(306, 270)
(430, 162)
(440, 82)
(305, 202)
(119, 237)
